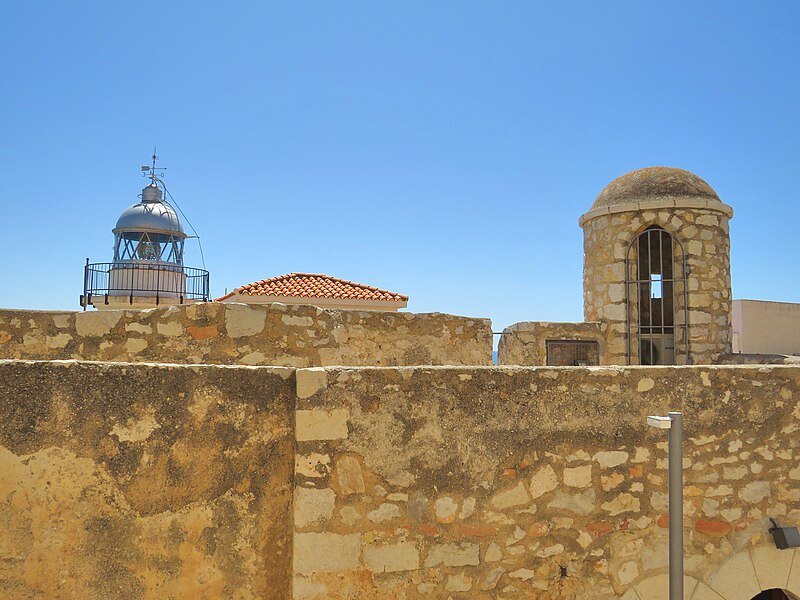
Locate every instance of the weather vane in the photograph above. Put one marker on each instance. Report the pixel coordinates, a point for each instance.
(154, 173)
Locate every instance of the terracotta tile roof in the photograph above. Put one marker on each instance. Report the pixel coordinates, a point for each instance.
(312, 285)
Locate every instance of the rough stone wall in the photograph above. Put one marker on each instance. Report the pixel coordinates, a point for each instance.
(155, 481)
(541, 482)
(141, 481)
(526, 343)
(704, 235)
(223, 333)
(757, 359)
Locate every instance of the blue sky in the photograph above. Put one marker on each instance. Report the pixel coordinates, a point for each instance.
(443, 150)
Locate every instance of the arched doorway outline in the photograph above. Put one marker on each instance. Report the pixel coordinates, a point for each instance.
(742, 576)
(637, 284)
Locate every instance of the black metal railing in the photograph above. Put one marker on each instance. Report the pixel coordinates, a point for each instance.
(143, 279)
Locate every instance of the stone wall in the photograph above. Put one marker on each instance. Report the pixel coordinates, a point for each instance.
(273, 334)
(757, 359)
(168, 481)
(526, 343)
(143, 481)
(541, 483)
(704, 235)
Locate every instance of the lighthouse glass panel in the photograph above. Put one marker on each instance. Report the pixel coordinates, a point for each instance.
(148, 246)
(657, 324)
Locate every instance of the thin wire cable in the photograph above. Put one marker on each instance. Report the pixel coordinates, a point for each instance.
(188, 222)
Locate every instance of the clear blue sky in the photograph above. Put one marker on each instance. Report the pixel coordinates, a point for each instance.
(440, 149)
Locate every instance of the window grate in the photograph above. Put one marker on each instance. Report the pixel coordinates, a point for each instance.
(572, 353)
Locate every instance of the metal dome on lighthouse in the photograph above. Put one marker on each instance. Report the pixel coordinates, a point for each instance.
(148, 268)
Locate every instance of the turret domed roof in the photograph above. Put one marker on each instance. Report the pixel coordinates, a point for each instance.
(654, 183)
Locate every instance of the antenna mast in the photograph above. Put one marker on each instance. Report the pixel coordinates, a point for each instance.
(154, 173)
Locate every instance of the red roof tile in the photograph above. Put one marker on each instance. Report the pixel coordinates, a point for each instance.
(312, 285)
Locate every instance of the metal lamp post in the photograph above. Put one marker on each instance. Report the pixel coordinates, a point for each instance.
(674, 422)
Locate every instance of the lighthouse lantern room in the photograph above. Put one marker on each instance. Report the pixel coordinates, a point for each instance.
(147, 270)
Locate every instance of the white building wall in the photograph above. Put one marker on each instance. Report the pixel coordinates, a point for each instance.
(762, 327)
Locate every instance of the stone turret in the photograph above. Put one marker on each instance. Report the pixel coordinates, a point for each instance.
(657, 268)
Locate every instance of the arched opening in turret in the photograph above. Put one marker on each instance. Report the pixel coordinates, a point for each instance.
(656, 295)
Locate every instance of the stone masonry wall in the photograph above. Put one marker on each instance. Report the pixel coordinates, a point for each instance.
(142, 481)
(166, 481)
(272, 334)
(526, 343)
(704, 234)
(541, 482)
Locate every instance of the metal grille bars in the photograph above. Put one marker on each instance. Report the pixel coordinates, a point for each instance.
(174, 284)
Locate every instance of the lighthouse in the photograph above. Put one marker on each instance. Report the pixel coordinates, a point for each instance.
(147, 269)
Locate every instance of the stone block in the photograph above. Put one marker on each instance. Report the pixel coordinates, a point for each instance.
(772, 566)
(446, 509)
(514, 496)
(736, 578)
(391, 558)
(320, 424)
(621, 504)
(543, 481)
(453, 555)
(703, 592)
(169, 329)
(754, 492)
(579, 477)
(306, 589)
(60, 340)
(96, 324)
(580, 504)
(657, 587)
(347, 473)
(492, 578)
(312, 506)
(793, 582)
(310, 381)
(312, 465)
(458, 583)
(385, 512)
(627, 572)
(243, 321)
(326, 552)
(612, 458)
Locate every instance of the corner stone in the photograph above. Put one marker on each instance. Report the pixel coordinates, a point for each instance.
(321, 424)
(312, 506)
(326, 552)
(311, 381)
